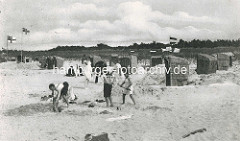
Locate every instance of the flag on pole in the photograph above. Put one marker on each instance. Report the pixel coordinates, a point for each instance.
(173, 38)
(26, 31)
(11, 39)
(172, 43)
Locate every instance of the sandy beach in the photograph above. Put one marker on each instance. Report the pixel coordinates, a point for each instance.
(210, 102)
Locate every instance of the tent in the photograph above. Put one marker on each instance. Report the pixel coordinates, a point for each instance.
(206, 64)
(175, 65)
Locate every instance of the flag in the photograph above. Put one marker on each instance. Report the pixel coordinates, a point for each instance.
(11, 39)
(173, 38)
(172, 43)
(26, 31)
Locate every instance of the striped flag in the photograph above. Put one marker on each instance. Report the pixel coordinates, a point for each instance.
(172, 43)
(173, 40)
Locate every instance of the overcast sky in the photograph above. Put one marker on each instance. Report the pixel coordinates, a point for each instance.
(115, 22)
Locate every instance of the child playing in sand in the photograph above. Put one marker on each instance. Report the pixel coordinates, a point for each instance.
(108, 80)
(62, 90)
(128, 88)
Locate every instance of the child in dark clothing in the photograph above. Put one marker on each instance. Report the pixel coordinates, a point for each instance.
(107, 88)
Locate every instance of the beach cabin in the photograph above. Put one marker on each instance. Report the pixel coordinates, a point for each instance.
(156, 60)
(223, 61)
(206, 64)
(58, 62)
(20, 58)
(177, 71)
(236, 55)
(27, 59)
(231, 57)
(51, 61)
(12, 58)
(128, 61)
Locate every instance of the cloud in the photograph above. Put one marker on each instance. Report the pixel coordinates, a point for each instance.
(80, 10)
(114, 21)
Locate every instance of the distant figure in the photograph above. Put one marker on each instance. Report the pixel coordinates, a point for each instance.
(54, 59)
(87, 72)
(71, 72)
(108, 80)
(118, 73)
(80, 71)
(62, 90)
(98, 69)
(85, 58)
(49, 62)
(128, 88)
(118, 68)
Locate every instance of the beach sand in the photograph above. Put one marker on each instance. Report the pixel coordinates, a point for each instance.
(162, 113)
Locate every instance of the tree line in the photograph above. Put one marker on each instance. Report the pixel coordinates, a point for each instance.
(156, 45)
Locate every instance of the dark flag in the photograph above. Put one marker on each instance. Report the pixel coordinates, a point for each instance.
(26, 31)
(173, 38)
(11, 39)
(172, 43)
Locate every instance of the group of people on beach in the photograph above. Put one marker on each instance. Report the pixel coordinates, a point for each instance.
(111, 79)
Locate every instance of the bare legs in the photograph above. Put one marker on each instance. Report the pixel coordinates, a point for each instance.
(56, 101)
(111, 103)
(131, 96)
(86, 83)
(65, 100)
(109, 100)
(55, 105)
(124, 95)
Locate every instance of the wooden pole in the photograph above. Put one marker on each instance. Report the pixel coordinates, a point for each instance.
(21, 47)
(7, 47)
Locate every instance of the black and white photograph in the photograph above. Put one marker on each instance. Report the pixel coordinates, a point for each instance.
(119, 70)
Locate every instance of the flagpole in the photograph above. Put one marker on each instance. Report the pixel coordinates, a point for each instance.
(7, 47)
(21, 47)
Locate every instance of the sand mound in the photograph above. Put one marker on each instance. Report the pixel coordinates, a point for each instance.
(152, 79)
(14, 65)
(87, 112)
(105, 112)
(155, 108)
(30, 109)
